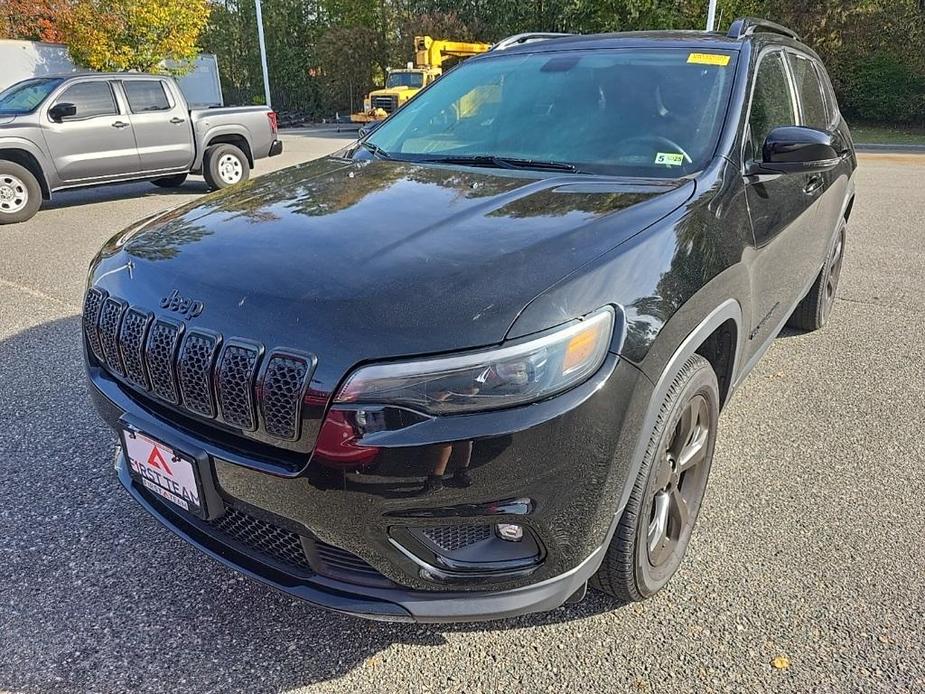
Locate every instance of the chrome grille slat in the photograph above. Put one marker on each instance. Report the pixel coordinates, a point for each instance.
(283, 386)
(132, 343)
(109, 324)
(194, 372)
(160, 355)
(236, 373)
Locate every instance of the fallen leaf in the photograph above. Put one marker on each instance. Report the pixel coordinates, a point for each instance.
(781, 662)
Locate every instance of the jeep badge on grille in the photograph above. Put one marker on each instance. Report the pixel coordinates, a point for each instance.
(185, 307)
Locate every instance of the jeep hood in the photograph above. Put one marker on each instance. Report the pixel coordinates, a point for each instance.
(367, 260)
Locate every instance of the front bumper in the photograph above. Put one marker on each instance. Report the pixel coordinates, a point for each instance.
(558, 468)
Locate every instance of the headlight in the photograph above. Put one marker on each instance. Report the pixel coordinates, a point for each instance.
(488, 380)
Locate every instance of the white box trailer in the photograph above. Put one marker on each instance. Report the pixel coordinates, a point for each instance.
(24, 59)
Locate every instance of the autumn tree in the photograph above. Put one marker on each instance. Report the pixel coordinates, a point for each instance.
(32, 20)
(117, 35)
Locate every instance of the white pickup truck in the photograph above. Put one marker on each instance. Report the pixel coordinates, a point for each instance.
(72, 131)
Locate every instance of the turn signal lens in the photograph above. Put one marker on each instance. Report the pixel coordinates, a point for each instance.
(510, 375)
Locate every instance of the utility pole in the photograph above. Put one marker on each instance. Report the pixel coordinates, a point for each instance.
(263, 53)
(711, 15)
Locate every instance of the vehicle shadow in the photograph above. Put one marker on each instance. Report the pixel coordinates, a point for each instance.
(97, 596)
(120, 191)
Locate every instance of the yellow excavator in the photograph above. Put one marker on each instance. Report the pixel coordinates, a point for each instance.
(402, 84)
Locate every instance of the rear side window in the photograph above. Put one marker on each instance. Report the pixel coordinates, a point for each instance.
(91, 99)
(809, 88)
(145, 96)
(772, 102)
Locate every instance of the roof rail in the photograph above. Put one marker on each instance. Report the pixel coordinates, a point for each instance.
(746, 26)
(520, 39)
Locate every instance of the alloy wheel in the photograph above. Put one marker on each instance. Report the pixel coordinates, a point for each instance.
(834, 271)
(680, 480)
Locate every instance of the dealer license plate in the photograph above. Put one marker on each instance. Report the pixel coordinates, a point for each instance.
(163, 471)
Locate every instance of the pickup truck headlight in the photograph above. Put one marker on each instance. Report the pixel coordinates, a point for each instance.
(487, 380)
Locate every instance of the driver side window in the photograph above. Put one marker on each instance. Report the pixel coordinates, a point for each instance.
(772, 102)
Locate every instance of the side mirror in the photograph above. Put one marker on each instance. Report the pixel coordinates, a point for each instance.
(58, 112)
(796, 149)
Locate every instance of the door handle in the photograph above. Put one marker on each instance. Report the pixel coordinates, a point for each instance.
(120, 124)
(177, 120)
(813, 184)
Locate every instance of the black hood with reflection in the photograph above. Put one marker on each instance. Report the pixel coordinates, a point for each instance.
(365, 260)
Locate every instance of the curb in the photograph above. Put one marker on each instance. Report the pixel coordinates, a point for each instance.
(891, 149)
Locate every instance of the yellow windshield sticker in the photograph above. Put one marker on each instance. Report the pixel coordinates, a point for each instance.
(669, 158)
(709, 59)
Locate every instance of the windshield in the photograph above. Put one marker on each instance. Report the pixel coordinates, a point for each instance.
(646, 112)
(25, 97)
(414, 80)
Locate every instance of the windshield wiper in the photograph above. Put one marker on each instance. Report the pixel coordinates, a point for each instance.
(501, 162)
(376, 150)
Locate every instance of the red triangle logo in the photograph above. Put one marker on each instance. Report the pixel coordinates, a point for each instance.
(156, 460)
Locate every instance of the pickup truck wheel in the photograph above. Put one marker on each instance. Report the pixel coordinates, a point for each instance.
(224, 165)
(653, 533)
(170, 181)
(813, 311)
(20, 193)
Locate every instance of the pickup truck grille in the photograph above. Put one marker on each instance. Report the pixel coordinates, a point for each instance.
(197, 371)
(386, 103)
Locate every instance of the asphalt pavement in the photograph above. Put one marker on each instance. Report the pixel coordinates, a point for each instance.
(808, 554)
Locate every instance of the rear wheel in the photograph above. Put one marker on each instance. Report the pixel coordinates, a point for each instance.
(654, 531)
(170, 181)
(224, 165)
(20, 193)
(813, 311)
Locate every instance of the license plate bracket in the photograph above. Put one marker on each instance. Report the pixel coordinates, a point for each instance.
(163, 470)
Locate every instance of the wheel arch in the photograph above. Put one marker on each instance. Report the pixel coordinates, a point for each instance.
(236, 137)
(28, 161)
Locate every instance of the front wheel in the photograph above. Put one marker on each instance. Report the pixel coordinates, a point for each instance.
(224, 165)
(20, 193)
(655, 528)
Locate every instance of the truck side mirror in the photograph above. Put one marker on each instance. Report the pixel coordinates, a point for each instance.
(796, 149)
(59, 112)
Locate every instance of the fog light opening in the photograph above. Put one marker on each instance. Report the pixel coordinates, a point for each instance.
(510, 532)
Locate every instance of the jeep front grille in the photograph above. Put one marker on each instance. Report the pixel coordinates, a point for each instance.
(237, 383)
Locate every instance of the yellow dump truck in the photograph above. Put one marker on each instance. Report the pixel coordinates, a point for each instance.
(402, 84)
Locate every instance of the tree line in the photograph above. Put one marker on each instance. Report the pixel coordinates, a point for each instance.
(325, 55)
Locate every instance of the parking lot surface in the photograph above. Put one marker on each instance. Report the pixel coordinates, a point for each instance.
(807, 555)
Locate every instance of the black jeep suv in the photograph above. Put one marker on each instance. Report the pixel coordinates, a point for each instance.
(476, 360)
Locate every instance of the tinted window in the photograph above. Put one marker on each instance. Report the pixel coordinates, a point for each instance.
(91, 99)
(146, 95)
(628, 111)
(772, 105)
(808, 87)
(25, 97)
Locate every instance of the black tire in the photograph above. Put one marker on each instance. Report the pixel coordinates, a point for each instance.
(170, 181)
(813, 311)
(686, 424)
(20, 193)
(219, 161)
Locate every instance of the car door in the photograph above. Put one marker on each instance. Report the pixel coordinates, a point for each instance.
(781, 206)
(829, 186)
(97, 142)
(161, 123)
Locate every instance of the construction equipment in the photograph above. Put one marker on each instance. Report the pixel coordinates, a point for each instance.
(402, 84)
